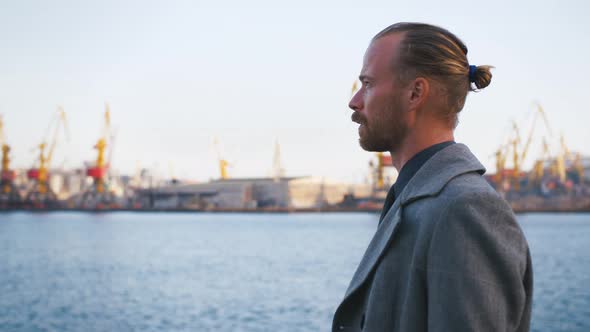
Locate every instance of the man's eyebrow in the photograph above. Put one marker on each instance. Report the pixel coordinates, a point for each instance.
(365, 78)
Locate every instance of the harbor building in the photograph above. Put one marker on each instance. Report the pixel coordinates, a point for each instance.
(251, 193)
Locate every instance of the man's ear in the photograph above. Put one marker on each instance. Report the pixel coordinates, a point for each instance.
(419, 92)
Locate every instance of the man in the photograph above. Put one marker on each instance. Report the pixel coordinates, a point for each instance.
(448, 254)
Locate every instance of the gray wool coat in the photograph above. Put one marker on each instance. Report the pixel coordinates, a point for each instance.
(448, 256)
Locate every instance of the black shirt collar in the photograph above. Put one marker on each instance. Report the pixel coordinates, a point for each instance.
(414, 164)
(408, 171)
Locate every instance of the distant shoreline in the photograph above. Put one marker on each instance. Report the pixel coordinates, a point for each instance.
(262, 211)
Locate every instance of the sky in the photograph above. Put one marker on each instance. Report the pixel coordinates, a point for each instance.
(180, 74)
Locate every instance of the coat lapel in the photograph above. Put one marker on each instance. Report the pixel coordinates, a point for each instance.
(428, 181)
(377, 245)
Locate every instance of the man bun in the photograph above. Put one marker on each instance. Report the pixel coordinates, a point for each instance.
(482, 77)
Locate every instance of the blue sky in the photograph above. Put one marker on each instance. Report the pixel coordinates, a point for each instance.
(178, 73)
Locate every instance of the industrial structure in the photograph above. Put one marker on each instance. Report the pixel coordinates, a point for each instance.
(276, 192)
(285, 193)
(9, 195)
(99, 194)
(40, 194)
(557, 179)
(551, 168)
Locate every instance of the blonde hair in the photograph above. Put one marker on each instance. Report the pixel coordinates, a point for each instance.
(430, 51)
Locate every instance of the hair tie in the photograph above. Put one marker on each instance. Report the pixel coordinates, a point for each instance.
(472, 70)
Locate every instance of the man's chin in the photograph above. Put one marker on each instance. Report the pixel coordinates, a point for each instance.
(370, 146)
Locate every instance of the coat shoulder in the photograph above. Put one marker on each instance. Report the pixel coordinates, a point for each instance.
(469, 183)
(465, 190)
(471, 212)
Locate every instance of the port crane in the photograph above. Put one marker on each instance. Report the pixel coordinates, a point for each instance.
(383, 162)
(9, 195)
(501, 154)
(574, 160)
(40, 195)
(557, 165)
(223, 164)
(519, 154)
(99, 195)
(538, 171)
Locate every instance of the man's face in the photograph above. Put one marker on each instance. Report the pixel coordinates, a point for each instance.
(378, 105)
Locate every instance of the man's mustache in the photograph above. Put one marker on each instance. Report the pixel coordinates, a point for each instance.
(358, 118)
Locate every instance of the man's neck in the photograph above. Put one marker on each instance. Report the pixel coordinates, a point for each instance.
(417, 141)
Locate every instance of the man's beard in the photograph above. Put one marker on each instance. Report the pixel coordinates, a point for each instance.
(386, 133)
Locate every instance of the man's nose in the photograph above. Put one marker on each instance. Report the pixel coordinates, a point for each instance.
(356, 102)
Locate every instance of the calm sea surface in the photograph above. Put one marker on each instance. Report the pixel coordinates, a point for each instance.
(231, 272)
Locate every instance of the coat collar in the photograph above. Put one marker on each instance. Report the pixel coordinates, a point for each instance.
(445, 165)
